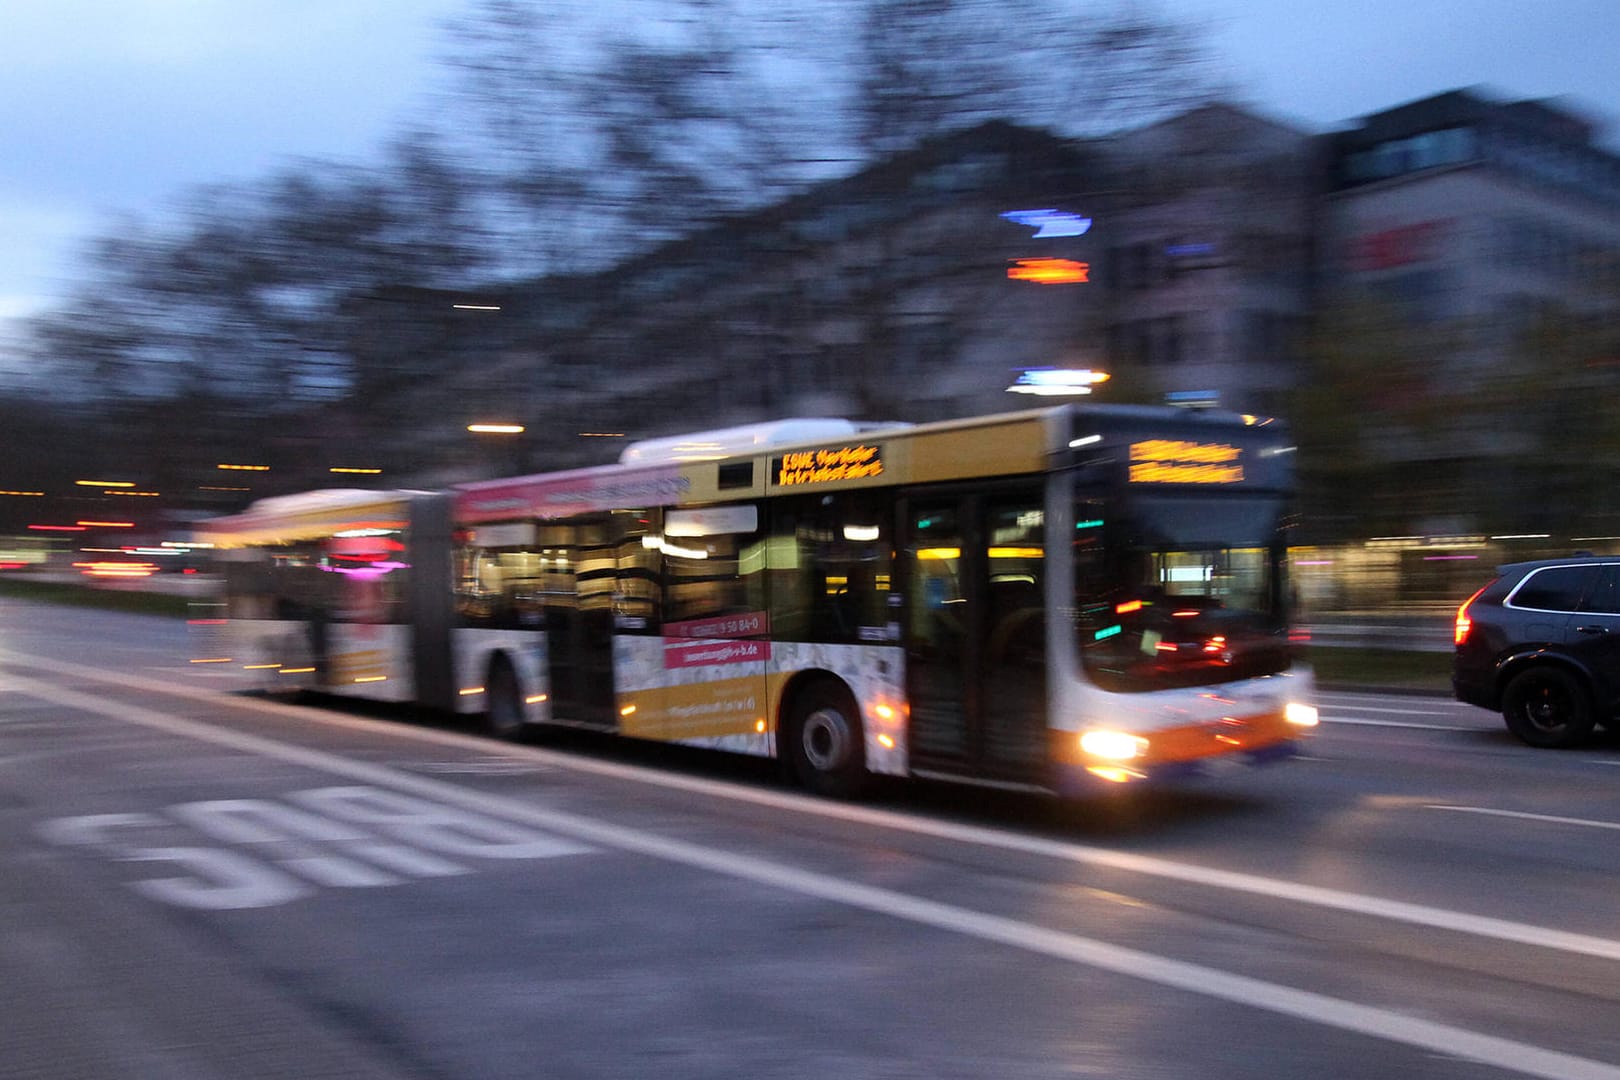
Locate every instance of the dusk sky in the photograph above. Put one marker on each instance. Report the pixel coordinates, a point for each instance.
(119, 106)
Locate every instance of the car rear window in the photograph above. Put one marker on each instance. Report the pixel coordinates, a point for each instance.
(1554, 588)
(1605, 598)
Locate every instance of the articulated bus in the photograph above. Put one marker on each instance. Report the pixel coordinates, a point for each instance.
(1057, 599)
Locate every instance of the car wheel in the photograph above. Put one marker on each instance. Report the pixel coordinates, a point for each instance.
(825, 747)
(504, 716)
(1548, 707)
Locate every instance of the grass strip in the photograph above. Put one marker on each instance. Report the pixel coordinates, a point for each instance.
(1401, 669)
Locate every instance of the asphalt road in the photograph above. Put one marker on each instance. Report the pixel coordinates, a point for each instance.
(198, 885)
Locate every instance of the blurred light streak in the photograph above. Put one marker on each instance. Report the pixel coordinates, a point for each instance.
(22, 493)
(1050, 223)
(497, 429)
(107, 524)
(1114, 773)
(106, 483)
(244, 468)
(359, 472)
(1049, 271)
(117, 569)
(142, 494)
(1058, 382)
(57, 528)
(476, 307)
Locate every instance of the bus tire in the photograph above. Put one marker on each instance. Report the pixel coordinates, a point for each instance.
(825, 747)
(504, 716)
(1548, 707)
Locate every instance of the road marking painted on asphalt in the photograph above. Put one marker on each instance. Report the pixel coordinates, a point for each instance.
(1549, 818)
(1364, 721)
(1414, 711)
(1383, 1024)
(329, 838)
(1274, 888)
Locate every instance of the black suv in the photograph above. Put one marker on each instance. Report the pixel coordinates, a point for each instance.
(1542, 644)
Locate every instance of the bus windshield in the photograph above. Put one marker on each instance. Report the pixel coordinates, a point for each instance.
(1180, 590)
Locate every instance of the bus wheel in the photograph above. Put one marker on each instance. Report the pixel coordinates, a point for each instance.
(1547, 707)
(503, 716)
(825, 749)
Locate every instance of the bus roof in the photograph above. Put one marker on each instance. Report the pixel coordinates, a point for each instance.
(767, 459)
(308, 514)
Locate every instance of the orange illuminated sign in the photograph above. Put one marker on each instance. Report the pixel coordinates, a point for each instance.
(825, 466)
(1174, 461)
(1050, 271)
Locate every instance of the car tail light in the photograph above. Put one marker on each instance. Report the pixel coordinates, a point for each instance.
(1464, 623)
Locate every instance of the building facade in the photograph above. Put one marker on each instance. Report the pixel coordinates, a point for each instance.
(1188, 259)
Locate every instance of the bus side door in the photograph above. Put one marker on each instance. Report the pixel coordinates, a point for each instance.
(974, 631)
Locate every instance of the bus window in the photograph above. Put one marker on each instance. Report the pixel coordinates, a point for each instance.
(499, 576)
(366, 577)
(831, 566)
(1014, 606)
(714, 563)
(1184, 593)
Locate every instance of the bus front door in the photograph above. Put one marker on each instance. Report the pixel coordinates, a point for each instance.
(974, 633)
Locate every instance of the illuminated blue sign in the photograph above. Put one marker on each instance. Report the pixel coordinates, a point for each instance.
(1050, 223)
(1056, 382)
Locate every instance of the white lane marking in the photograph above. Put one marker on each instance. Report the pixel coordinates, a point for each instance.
(1482, 926)
(1383, 1024)
(1549, 818)
(1357, 707)
(1361, 721)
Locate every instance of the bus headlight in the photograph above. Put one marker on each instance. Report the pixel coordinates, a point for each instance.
(1300, 714)
(1113, 745)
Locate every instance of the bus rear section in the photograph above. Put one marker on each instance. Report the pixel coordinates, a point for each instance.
(337, 591)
